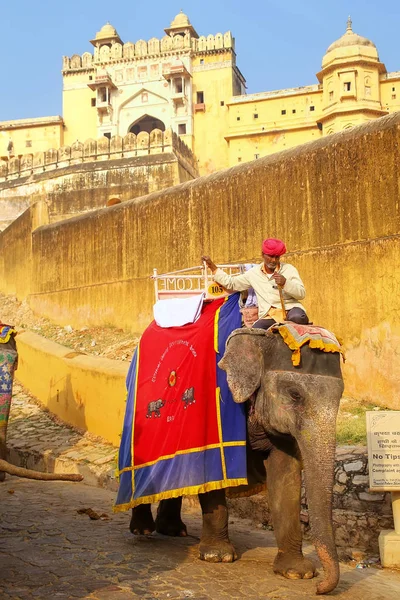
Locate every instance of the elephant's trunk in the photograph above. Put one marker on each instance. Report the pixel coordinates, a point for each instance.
(317, 446)
(7, 467)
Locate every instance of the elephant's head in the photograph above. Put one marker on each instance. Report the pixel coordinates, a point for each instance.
(299, 401)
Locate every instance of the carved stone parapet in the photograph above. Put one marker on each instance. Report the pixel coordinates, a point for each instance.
(143, 142)
(116, 146)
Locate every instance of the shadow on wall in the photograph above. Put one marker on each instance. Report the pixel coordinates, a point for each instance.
(63, 399)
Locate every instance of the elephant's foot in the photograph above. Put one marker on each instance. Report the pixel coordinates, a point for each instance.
(217, 552)
(174, 528)
(294, 566)
(168, 520)
(142, 522)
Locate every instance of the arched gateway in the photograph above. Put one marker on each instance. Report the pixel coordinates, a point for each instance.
(146, 123)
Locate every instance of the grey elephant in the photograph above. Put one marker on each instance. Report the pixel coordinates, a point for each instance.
(188, 397)
(291, 425)
(154, 407)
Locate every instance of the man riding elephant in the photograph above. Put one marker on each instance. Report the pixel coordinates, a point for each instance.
(267, 280)
(291, 425)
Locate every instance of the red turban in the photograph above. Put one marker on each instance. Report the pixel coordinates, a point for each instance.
(273, 247)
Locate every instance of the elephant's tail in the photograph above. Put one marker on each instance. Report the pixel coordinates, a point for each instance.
(29, 474)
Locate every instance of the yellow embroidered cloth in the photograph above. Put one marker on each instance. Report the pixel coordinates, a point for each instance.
(6, 331)
(295, 336)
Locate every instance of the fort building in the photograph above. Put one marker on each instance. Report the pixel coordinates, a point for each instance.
(190, 83)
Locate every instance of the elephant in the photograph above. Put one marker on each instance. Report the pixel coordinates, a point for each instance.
(8, 364)
(291, 425)
(154, 407)
(188, 397)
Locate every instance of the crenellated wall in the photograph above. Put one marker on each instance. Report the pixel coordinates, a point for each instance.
(335, 202)
(154, 47)
(84, 176)
(143, 144)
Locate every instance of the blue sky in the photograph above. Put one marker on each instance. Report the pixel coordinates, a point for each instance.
(279, 44)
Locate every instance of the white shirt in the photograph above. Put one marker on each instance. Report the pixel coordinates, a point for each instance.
(265, 286)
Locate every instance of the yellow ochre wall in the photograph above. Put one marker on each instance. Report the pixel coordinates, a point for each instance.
(85, 391)
(334, 201)
(80, 116)
(40, 137)
(210, 126)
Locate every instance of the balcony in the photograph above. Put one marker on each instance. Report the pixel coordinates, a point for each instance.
(200, 107)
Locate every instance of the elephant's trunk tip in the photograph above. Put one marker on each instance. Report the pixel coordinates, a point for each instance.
(331, 571)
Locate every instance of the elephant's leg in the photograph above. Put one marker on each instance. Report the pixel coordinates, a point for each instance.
(168, 520)
(142, 522)
(284, 498)
(215, 545)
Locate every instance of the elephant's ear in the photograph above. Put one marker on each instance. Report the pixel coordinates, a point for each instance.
(242, 362)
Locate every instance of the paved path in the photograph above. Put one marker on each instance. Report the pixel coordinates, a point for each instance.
(50, 551)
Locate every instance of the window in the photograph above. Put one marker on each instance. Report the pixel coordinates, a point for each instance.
(393, 96)
(237, 118)
(145, 97)
(103, 94)
(393, 89)
(293, 111)
(202, 61)
(93, 101)
(283, 112)
(28, 143)
(256, 156)
(107, 134)
(367, 90)
(90, 77)
(200, 97)
(312, 108)
(347, 86)
(182, 128)
(331, 96)
(222, 103)
(178, 85)
(255, 116)
(239, 159)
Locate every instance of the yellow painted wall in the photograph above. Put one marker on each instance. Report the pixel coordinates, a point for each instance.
(390, 94)
(85, 391)
(258, 128)
(80, 116)
(247, 148)
(210, 126)
(30, 139)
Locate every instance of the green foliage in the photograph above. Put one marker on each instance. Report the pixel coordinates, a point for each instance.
(351, 422)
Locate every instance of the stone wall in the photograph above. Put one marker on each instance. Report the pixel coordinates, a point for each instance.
(358, 515)
(336, 204)
(81, 177)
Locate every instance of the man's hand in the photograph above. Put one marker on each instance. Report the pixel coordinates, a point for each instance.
(280, 279)
(210, 264)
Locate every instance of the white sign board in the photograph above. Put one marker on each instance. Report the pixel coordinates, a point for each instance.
(383, 438)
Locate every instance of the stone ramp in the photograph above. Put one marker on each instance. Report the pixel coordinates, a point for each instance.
(38, 440)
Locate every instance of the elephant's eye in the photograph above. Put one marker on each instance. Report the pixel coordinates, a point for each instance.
(294, 394)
